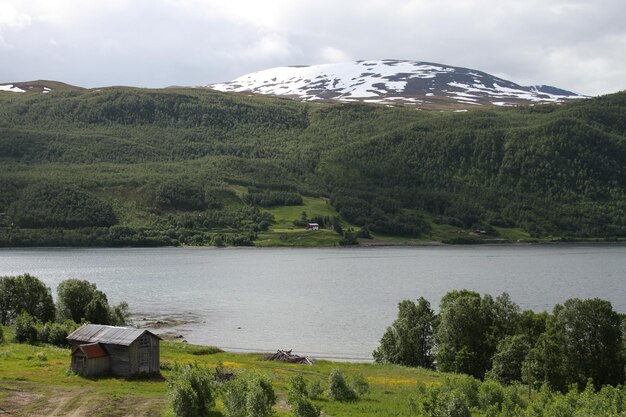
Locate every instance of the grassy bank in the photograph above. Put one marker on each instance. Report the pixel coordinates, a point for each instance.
(34, 381)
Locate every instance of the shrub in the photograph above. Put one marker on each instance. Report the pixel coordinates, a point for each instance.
(166, 366)
(466, 386)
(1, 335)
(457, 407)
(315, 389)
(301, 406)
(442, 401)
(58, 333)
(25, 329)
(490, 393)
(234, 398)
(248, 396)
(260, 397)
(338, 389)
(297, 388)
(191, 390)
(360, 384)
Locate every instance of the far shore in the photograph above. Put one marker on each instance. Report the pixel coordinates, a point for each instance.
(363, 243)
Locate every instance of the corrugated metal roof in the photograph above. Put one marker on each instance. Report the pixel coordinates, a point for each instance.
(93, 350)
(98, 333)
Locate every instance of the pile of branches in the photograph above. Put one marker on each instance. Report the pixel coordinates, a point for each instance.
(287, 356)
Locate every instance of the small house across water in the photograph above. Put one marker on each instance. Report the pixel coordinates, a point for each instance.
(122, 351)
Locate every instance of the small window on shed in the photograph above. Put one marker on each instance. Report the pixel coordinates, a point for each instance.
(144, 341)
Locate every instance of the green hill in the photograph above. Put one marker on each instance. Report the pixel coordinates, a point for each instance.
(125, 166)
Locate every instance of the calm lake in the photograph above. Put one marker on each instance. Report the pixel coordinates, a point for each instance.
(323, 302)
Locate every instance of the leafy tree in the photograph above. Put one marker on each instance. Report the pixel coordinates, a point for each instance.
(509, 358)
(73, 298)
(191, 390)
(81, 299)
(56, 333)
(1, 335)
(97, 310)
(409, 340)
(470, 328)
(119, 315)
(461, 334)
(25, 293)
(583, 340)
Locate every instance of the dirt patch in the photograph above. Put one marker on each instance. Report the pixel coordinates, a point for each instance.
(14, 400)
(77, 402)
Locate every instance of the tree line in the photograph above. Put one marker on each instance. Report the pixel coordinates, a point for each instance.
(27, 304)
(580, 341)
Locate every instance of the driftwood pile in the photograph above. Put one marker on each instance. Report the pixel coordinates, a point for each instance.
(287, 356)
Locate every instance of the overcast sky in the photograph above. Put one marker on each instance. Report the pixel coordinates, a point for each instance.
(579, 45)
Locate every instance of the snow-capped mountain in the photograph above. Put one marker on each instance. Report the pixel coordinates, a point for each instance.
(39, 86)
(393, 81)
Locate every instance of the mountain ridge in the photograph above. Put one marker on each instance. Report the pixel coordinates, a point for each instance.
(391, 81)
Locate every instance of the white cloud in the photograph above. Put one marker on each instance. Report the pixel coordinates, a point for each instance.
(574, 44)
(272, 45)
(12, 18)
(331, 54)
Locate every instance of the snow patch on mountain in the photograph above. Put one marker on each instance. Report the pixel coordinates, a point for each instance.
(387, 81)
(11, 88)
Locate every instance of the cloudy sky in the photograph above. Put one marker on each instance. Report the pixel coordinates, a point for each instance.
(578, 45)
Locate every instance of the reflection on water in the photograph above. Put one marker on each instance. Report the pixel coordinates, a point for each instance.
(322, 302)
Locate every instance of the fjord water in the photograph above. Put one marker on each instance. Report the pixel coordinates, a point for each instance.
(324, 302)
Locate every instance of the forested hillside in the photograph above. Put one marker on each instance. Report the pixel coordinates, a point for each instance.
(122, 166)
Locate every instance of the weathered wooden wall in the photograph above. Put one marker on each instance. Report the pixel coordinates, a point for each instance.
(120, 359)
(145, 355)
(90, 367)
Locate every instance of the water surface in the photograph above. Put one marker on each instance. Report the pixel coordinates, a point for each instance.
(325, 302)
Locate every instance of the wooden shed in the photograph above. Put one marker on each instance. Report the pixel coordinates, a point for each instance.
(124, 350)
(90, 360)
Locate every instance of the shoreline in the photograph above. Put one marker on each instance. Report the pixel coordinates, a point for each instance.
(171, 327)
(372, 244)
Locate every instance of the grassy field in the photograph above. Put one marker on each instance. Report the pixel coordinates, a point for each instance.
(284, 233)
(34, 381)
(313, 207)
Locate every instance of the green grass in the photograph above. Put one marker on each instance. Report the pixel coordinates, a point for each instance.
(46, 386)
(298, 238)
(284, 233)
(314, 207)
